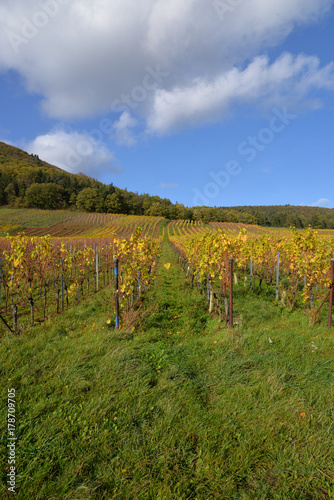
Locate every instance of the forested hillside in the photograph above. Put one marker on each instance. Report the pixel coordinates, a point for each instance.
(28, 182)
(287, 216)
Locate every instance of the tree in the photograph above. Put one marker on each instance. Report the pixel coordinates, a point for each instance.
(315, 221)
(114, 203)
(197, 214)
(156, 209)
(11, 192)
(47, 196)
(73, 199)
(180, 212)
(88, 199)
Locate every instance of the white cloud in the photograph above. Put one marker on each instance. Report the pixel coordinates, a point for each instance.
(123, 134)
(260, 81)
(81, 56)
(73, 152)
(323, 202)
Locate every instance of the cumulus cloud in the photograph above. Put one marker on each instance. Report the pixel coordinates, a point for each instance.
(74, 152)
(323, 202)
(82, 56)
(123, 133)
(259, 81)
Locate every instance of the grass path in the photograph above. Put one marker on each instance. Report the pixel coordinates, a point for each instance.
(180, 408)
(172, 306)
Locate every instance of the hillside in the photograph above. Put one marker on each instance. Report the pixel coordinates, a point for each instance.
(26, 181)
(21, 172)
(14, 157)
(287, 215)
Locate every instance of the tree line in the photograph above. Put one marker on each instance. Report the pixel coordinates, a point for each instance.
(28, 182)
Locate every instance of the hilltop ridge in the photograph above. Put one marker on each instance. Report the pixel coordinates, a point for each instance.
(26, 181)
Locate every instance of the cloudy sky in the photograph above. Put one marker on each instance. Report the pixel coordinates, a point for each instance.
(214, 102)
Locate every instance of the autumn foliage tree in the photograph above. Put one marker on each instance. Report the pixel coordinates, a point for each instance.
(46, 196)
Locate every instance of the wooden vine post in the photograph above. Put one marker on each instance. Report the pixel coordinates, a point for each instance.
(231, 292)
(331, 295)
(14, 307)
(251, 276)
(31, 302)
(116, 294)
(97, 270)
(62, 285)
(208, 287)
(277, 277)
(138, 283)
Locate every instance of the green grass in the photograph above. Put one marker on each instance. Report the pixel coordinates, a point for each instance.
(179, 408)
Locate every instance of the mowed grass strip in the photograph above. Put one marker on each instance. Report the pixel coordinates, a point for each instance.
(180, 408)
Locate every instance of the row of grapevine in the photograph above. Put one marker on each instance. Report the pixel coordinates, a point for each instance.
(185, 227)
(124, 226)
(40, 277)
(188, 228)
(88, 225)
(297, 265)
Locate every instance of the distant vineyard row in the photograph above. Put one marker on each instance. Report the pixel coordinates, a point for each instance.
(70, 225)
(67, 224)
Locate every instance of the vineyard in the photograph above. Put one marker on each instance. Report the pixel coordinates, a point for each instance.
(293, 266)
(193, 228)
(66, 224)
(67, 256)
(197, 351)
(14, 220)
(40, 277)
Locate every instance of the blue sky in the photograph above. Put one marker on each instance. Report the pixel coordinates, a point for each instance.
(204, 102)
